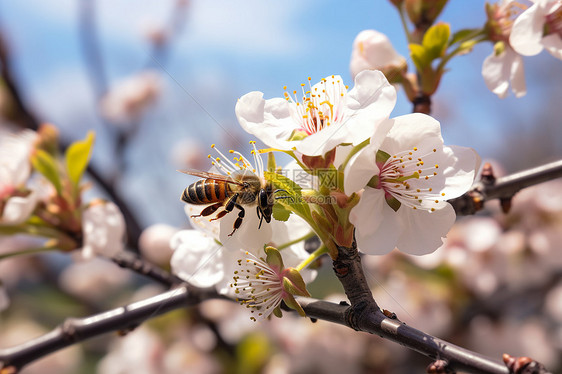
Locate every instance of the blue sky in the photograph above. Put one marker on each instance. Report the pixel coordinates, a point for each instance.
(226, 49)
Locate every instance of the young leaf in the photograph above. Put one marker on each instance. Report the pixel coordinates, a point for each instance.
(45, 164)
(436, 40)
(77, 157)
(295, 202)
(462, 35)
(280, 213)
(419, 56)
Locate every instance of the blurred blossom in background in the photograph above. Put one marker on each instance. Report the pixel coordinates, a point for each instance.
(158, 82)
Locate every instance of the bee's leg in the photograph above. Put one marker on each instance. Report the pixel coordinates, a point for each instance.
(260, 217)
(238, 221)
(208, 210)
(230, 204)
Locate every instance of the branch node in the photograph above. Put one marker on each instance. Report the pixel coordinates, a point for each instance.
(523, 365)
(439, 367)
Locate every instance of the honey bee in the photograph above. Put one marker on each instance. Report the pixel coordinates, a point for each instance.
(240, 188)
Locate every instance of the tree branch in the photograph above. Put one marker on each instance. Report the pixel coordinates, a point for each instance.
(503, 188)
(130, 260)
(392, 329)
(74, 330)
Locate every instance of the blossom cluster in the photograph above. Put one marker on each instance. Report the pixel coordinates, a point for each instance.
(381, 181)
(515, 29)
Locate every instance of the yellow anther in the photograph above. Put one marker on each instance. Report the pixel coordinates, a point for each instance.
(212, 146)
(436, 201)
(433, 209)
(434, 150)
(436, 166)
(284, 87)
(415, 148)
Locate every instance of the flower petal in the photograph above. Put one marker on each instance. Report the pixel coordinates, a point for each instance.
(368, 103)
(18, 209)
(459, 170)
(553, 44)
(411, 130)
(377, 225)
(197, 258)
(361, 168)
(247, 237)
(527, 31)
(499, 70)
(422, 230)
(269, 120)
(517, 75)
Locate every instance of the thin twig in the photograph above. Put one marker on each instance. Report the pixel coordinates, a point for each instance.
(130, 260)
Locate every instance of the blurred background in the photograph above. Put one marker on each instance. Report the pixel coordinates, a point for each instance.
(158, 82)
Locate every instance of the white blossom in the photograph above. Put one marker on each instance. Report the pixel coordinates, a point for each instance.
(372, 50)
(502, 68)
(327, 114)
(538, 27)
(128, 100)
(103, 228)
(17, 202)
(407, 178)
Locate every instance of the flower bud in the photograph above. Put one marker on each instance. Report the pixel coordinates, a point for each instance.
(424, 12)
(372, 50)
(48, 139)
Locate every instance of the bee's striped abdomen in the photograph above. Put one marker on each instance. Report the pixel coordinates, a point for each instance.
(205, 191)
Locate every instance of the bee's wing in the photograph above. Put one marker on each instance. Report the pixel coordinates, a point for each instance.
(214, 176)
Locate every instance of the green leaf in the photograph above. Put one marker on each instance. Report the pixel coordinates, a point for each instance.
(296, 202)
(419, 56)
(462, 35)
(436, 40)
(280, 213)
(77, 157)
(45, 164)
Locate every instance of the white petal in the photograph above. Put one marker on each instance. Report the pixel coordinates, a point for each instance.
(18, 209)
(201, 223)
(360, 169)
(319, 143)
(496, 71)
(103, 227)
(372, 50)
(527, 31)
(377, 226)
(553, 44)
(362, 166)
(247, 237)
(197, 258)
(269, 120)
(283, 232)
(459, 170)
(368, 103)
(411, 130)
(517, 75)
(423, 231)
